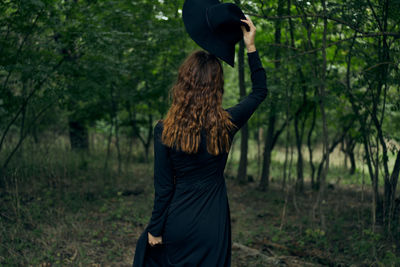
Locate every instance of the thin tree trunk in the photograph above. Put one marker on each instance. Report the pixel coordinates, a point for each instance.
(264, 181)
(309, 146)
(149, 138)
(299, 137)
(132, 124)
(259, 141)
(364, 133)
(114, 117)
(26, 101)
(244, 138)
(269, 142)
(109, 139)
(393, 182)
(22, 138)
(336, 141)
(286, 148)
(322, 95)
(22, 127)
(299, 165)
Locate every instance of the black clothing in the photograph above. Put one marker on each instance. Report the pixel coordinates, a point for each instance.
(191, 209)
(214, 26)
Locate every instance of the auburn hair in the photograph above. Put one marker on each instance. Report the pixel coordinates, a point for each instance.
(196, 105)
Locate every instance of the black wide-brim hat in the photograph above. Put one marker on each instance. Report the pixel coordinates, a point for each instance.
(214, 26)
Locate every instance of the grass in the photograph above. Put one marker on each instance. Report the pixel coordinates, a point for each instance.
(61, 208)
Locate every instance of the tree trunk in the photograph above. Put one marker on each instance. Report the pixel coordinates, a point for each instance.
(264, 181)
(365, 138)
(78, 135)
(393, 183)
(147, 144)
(109, 140)
(310, 149)
(269, 141)
(114, 117)
(299, 165)
(348, 146)
(352, 161)
(244, 140)
(322, 96)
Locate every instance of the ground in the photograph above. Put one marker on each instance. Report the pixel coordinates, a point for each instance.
(88, 216)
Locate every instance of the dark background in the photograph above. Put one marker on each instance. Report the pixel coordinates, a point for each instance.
(311, 179)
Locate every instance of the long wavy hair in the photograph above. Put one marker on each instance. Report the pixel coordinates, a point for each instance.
(196, 104)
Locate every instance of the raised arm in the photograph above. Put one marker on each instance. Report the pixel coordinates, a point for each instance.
(242, 111)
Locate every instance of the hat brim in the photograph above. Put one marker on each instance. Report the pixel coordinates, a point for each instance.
(194, 18)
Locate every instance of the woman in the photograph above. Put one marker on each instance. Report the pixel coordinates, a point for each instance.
(190, 222)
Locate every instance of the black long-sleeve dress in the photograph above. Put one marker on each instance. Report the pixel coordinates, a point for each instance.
(191, 209)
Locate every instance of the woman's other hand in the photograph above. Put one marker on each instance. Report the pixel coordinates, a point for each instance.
(153, 240)
(248, 36)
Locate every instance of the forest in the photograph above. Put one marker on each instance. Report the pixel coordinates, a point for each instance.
(312, 177)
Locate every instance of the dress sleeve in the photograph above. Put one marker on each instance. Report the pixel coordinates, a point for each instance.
(163, 184)
(242, 111)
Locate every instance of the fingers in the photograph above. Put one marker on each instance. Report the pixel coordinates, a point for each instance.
(153, 244)
(245, 21)
(249, 22)
(154, 240)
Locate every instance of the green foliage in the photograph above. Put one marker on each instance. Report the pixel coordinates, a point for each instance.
(367, 245)
(316, 236)
(107, 66)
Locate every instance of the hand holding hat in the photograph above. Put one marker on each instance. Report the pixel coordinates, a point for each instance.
(215, 26)
(248, 36)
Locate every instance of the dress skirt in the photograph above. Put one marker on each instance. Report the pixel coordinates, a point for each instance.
(197, 230)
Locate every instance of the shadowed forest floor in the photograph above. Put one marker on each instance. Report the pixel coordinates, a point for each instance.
(92, 217)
